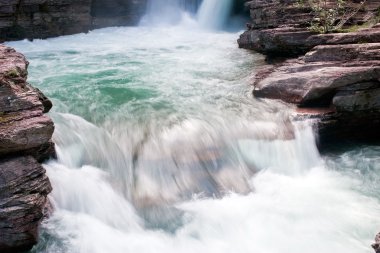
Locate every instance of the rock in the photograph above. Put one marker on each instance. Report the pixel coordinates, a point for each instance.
(50, 18)
(290, 41)
(23, 194)
(346, 52)
(276, 13)
(313, 84)
(285, 41)
(279, 27)
(355, 101)
(117, 13)
(25, 140)
(336, 78)
(376, 245)
(22, 123)
(342, 82)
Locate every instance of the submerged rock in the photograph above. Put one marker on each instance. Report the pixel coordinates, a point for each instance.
(376, 245)
(25, 140)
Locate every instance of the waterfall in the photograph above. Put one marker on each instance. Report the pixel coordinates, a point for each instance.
(213, 14)
(210, 14)
(162, 148)
(163, 12)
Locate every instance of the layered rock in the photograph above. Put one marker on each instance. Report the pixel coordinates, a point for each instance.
(336, 77)
(335, 81)
(280, 27)
(25, 140)
(23, 195)
(31, 19)
(117, 12)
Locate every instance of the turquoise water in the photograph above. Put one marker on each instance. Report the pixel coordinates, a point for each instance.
(162, 148)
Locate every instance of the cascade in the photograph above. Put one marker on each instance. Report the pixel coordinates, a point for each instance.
(162, 148)
(209, 14)
(163, 12)
(213, 14)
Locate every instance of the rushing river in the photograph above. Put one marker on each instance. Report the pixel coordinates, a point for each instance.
(162, 148)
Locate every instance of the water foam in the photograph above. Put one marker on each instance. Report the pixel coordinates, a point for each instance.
(163, 149)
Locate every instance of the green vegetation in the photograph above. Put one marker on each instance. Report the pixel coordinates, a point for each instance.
(13, 73)
(330, 17)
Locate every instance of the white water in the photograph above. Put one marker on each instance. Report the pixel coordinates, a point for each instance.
(219, 10)
(163, 149)
(212, 14)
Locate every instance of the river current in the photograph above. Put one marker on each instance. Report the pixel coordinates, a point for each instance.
(162, 148)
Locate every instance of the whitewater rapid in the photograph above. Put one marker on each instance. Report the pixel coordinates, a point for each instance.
(162, 148)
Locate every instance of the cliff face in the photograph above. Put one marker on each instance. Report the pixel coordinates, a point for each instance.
(116, 12)
(30, 19)
(335, 78)
(25, 140)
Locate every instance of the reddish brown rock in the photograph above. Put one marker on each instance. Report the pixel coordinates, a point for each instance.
(313, 83)
(281, 28)
(25, 140)
(335, 80)
(22, 123)
(23, 194)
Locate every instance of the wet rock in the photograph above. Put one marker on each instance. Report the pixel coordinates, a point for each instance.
(376, 245)
(25, 140)
(314, 83)
(336, 78)
(23, 195)
(23, 125)
(107, 13)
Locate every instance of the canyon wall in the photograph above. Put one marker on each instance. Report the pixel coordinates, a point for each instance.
(25, 141)
(332, 77)
(41, 19)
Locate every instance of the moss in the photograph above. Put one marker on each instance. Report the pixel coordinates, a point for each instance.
(13, 73)
(354, 28)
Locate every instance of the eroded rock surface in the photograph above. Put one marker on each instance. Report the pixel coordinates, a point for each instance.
(23, 194)
(25, 140)
(41, 19)
(280, 27)
(336, 77)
